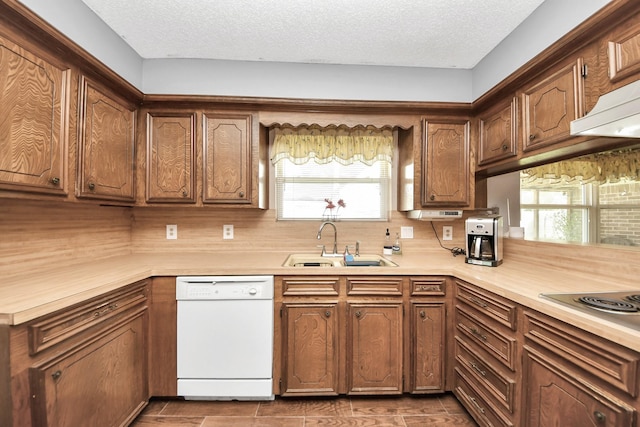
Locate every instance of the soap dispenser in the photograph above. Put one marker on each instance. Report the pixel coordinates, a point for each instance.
(388, 247)
(396, 249)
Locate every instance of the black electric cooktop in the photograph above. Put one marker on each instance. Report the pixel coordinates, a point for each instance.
(622, 308)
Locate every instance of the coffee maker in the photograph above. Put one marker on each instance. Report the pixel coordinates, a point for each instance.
(484, 240)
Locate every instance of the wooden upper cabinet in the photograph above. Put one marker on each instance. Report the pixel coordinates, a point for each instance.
(498, 133)
(550, 104)
(227, 158)
(623, 53)
(170, 157)
(445, 163)
(106, 146)
(33, 122)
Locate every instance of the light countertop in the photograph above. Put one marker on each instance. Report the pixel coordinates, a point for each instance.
(41, 292)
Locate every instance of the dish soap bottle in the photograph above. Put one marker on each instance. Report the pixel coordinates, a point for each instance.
(396, 249)
(388, 247)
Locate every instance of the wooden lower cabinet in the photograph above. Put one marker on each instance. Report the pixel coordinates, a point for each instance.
(374, 357)
(85, 365)
(557, 396)
(350, 335)
(310, 346)
(99, 384)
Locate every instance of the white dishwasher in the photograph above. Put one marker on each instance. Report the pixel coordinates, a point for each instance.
(225, 337)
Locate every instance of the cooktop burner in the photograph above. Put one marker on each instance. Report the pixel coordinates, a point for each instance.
(622, 308)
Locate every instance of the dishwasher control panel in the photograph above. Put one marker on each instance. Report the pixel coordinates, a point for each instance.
(224, 287)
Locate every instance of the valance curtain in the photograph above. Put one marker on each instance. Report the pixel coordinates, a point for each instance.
(345, 145)
(611, 167)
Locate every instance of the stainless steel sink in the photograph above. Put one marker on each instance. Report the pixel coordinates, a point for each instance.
(315, 260)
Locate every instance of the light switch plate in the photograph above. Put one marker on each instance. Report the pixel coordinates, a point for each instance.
(406, 232)
(172, 231)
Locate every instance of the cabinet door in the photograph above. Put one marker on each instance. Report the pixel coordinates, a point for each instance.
(374, 359)
(102, 383)
(550, 105)
(227, 158)
(550, 387)
(499, 134)
(33, 122)
(623, 53)
(310, 349)
(106, 146)
(427, 346)
(445, 163)
(171, 157)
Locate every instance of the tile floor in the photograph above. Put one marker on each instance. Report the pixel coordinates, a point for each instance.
(407, 411)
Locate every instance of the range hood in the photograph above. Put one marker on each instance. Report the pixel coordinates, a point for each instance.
(616, 114)
(435, 215)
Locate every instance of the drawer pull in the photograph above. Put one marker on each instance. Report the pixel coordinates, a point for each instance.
(476, 367)
(479, 334)
(57, 374)
(423, 314)
(478, 302)
(327, 313)
(477, 405)
(358, 314)
(599, 416)
(110, 307)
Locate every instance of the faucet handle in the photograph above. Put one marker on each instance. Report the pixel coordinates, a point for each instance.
(346, 250)
(324, 251)
(357, 247)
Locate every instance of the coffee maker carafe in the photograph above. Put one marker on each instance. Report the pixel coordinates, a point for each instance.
(484, 240)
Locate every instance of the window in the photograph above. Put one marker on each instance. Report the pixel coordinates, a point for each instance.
(303, 191)
(332, 173)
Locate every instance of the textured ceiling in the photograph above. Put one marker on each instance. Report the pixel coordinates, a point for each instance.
(415, 33)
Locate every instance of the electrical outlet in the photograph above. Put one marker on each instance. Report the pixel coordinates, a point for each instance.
(447, 232)
(227, 231)
(172, 231)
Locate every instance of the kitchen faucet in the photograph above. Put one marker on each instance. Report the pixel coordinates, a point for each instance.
(335, 238)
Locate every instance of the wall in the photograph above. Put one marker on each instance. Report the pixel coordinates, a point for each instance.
(624, 222)
(41, 234)
(201, 230)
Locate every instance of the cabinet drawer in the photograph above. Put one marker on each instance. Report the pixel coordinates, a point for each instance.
(307, 286)
(614, 364)
(371, 285)
(478, 404)
(489, 337)
(485, 375)
(69, 322)
(428, 286)
(489, 304)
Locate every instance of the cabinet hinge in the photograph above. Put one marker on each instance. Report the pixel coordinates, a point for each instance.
(280, 311)
(584, 71)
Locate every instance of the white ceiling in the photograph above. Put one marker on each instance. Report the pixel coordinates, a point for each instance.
(413, 33)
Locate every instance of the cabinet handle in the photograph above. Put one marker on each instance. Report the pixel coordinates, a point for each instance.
(432, 197)
(505, 147)
(423, 314)
(477, 405)
(56, 375)
(478, 302)
(184, 194)
(91, 186)
(599, 416)
(55, 180)
(475, 366)
(532, 137)
(358, 314)
(478, 334)
(327, 313)
(241, 194)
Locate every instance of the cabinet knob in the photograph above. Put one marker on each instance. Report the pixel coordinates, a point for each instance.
(358, 314)
(432, 197)
(532, 137)
(56, 375)
(599, 416)
(55, 180)
(185, 194)
(423, 314)
(241, 194)
(92, 186)
(505, 147)
(327, 313)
